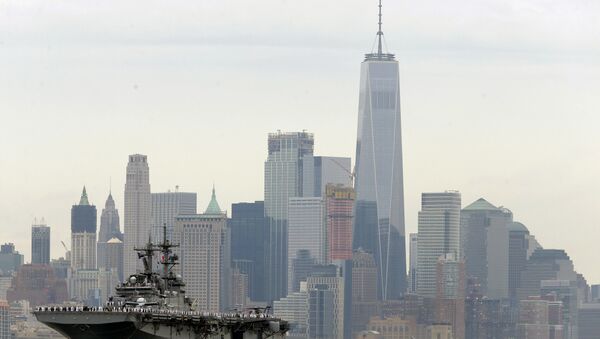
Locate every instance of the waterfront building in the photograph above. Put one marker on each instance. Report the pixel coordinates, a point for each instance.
(589, 321)
(325, 286)
(5, 320)
(294, 308)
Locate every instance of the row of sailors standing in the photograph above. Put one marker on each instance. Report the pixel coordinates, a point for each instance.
(118, 307)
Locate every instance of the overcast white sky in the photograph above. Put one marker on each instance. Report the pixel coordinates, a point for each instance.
(500, 99)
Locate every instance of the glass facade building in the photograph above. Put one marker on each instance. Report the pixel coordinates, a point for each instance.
(379, 209)
(283, 180)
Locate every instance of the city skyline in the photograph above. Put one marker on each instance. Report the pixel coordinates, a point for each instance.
(530, 190)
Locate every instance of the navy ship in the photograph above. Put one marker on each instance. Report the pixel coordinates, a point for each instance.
(153, 305)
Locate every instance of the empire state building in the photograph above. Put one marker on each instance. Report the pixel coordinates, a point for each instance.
(379, 209)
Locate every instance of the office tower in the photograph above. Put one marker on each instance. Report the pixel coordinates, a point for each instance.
(450, 296)
(545, 264)
(37, 284)
(379, 211)
(485, 237)
(364, 289)
(318, 171)
(517, 257)
(166, 206)
(439, 220)
(83, 234)
(239, 289)
(439, 331)
(339, 210)
(204, 256)
(393, 327)
(412, 270)
(595, 293)
(92, 286)
(10, 260)
(295, 309)
(114, 258)
(40, 244)
(566, 293)
(283, 180)
(307, 231)
(589, 321)
(302, 265)
(5, 320)
(325, 287)
(138, 214)
(488, 318)
(109, 229)
(248, 230)
(533, 319)
(61, 267)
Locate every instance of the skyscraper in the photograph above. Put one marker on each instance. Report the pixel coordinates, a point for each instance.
(450, 296)
(307, 231)
(283, 180)
(40, 244)
(83, 234)
(248, 225)
(339, 205)
(5, 320)
(109, 228)
(379, 211)
(138, 214)
(412, 270)
(318, 171)
(485, 237)
(166, 206)
(439, 221)
(205, 259)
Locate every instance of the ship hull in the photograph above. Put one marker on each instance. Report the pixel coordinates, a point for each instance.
(80, 325)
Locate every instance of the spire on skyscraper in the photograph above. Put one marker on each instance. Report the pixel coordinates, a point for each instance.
(380, 55)
(213, 206)
(84, 198)
(379, 33)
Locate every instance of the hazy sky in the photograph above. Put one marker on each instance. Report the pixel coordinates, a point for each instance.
(500, 99)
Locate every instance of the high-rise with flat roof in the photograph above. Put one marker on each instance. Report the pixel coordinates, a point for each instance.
(248, 228)
(166, 206)
(40, 244)
(5, 320)
(339, 210)
(83, 234)
(318, 171)
(283, 180)
(412, 268)
(439, 221)
(138, 211)
(379, 218)
(307, 231)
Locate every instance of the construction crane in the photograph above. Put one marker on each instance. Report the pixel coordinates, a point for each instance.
(65, 246)
(352, 174)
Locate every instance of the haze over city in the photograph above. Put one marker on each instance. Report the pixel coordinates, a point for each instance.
(499, 100)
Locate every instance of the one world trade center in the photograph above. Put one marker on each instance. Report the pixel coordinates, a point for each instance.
(379, 209)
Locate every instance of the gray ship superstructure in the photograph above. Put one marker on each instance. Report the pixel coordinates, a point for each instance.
(154, 305)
